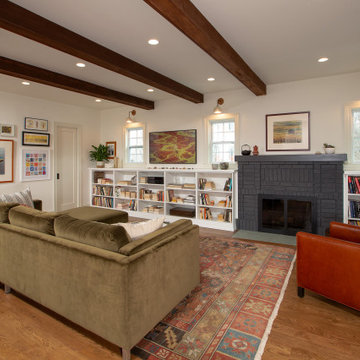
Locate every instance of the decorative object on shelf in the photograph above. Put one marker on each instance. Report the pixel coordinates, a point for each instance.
(329, 149)
(130, 119)
(172, 147)
(99, 154)
(224, 165)
(218, 109)
(7, 130)
(35, 124)
(214, 166)
(255, 150)
(35, 165)
(111, 149)
(6, 161)
(35, 139)
(288, 131)
(245, 149)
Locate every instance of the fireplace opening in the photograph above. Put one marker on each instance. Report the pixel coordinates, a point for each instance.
(286, 215)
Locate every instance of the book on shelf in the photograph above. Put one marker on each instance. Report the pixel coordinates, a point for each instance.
(124, 182)
(353, 185)
(189, 186)
(354, 209)
(102, 190)
(104, 181)
(174, 186)
(228, 184)
(205, 213)
(104, 202)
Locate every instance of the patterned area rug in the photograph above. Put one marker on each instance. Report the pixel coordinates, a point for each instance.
(229, 315)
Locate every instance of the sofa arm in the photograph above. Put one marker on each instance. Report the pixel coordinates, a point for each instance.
(345, 231)
(329, 267)
(37, 204)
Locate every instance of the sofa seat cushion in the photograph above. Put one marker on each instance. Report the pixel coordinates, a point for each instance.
(107, 216)
(22, 197)
(151, 239)
(33, 219)
(100, 235)
(4, 211)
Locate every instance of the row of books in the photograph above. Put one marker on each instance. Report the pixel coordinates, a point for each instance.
(102, 190)
(205, 200)
(354, 185)
(104, 181)
(104, 202)
(148, 194)
(130, 205)
(354, 222)
(153, 209)
(228, 185)
(354, 209)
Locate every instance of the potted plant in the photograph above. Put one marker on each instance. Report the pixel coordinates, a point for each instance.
(99, 154)
(329, 149)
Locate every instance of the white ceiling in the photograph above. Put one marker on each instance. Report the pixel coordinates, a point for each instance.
(279, 39)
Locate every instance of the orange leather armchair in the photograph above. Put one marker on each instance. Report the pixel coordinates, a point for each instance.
(330, 265)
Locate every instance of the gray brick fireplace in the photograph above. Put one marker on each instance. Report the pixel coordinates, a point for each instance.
(315, 179)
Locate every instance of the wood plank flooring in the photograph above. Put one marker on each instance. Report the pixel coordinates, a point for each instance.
(309, 328)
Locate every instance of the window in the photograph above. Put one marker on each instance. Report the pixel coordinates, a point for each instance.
(222, 140)
(355, 116)
(135, 145)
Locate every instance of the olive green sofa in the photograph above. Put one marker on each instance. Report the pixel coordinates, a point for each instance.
(90, 273)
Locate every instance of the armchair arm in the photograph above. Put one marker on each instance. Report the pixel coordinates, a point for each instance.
(345, 231)
(329, 267)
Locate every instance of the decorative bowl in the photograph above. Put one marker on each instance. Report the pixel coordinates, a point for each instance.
(214, 166)
(224, 165)
(329, 150)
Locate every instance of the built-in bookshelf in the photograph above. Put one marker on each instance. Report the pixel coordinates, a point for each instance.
(205, 196)
(352, 197)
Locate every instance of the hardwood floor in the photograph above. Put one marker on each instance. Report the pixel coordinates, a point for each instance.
(309, 328)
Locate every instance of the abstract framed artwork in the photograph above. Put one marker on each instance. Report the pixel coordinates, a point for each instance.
(111, 149)
(35, 164)
(173, 147)
(35, 139)
(288, 131)
(7, 130)
(6, 161)
(36, 124)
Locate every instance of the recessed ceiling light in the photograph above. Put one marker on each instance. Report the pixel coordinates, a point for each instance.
(150, 90)
(211, 79)
(97, 100)
(80, 64)
(323, 59)
(25, 83)
(153, 41)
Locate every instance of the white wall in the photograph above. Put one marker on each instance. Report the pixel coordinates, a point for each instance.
(325, 98)
(13, 110)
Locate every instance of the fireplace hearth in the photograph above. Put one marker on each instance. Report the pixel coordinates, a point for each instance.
(306, 192)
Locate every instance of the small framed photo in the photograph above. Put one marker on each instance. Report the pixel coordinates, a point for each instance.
(288, 131)
(35, 164)
(111, 149)
(7, 130)
(6, 161)
(35, 139)
(35, 124)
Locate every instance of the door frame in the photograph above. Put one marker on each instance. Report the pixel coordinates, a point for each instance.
(78, 161)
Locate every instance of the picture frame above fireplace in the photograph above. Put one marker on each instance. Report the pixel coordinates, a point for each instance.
(288, 131)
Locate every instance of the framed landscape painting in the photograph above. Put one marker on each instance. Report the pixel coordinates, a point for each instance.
(288, 131)
(172, 147)
(6, 161)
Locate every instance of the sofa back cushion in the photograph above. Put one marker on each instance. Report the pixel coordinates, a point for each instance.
(100, 235)
(151, 239)
(4, 211)
(33, 219)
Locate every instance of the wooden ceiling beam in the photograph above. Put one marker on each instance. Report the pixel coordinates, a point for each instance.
(190, 21)
(47, 77)
(23, 22)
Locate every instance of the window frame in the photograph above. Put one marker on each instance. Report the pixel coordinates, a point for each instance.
(222, 118)
(350, 131)
(128, 128)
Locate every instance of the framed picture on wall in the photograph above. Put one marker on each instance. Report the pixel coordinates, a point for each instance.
(111, 149)
(35, 124)
(172, 147)
(288, 131)
(35, 164)
(35, 139)
(7, 130)
(6, 161)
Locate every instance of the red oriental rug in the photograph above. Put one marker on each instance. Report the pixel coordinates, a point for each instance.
(229, 315)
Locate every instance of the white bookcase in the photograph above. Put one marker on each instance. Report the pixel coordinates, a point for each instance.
(352, 197)
(210, 195)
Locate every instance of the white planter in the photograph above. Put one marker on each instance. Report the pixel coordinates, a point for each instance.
(329, 150)
(100, 164)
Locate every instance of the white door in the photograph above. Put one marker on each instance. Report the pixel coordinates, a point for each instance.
(66, 172)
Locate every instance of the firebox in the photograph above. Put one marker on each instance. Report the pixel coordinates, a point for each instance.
(286, 214)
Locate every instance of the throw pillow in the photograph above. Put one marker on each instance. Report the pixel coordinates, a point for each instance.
(22, 197)
(137, 230)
